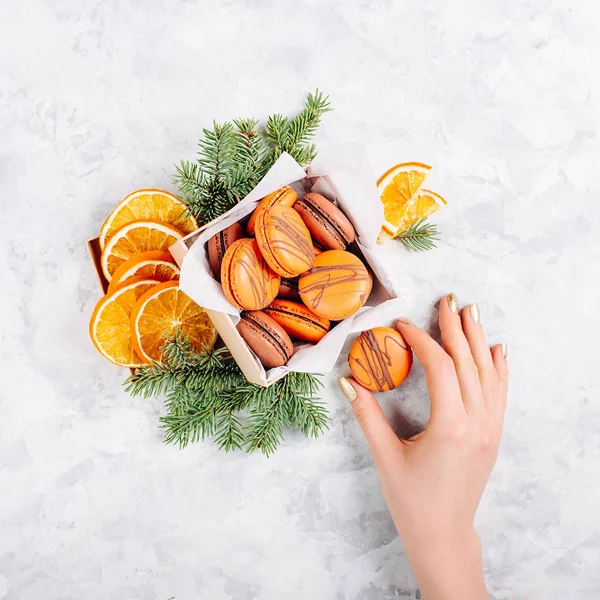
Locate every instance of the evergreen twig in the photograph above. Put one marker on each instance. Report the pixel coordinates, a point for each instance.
(420, 236)
(206, 395)
(234, 157)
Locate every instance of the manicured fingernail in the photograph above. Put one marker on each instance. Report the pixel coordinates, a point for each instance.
(474, 309)
(347, 389)
(405, 321)
(504, 350)
(452, 303)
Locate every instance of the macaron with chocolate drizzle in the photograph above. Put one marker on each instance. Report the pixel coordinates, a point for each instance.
(336, 286)
(247, 280)
(218, 244)
(298, 320)
(380, 359)
(285, 196)
(284, 240)
(266, 338)
(327, 224)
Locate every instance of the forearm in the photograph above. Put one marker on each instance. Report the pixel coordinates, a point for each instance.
(449, 569)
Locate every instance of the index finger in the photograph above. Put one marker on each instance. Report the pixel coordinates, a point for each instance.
(442, 381)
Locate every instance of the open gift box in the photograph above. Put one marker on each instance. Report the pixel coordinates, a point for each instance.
(341, 174)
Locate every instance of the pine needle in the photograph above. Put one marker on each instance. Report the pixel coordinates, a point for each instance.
(420, 236)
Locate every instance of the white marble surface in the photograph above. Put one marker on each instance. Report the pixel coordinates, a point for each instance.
(99, 97)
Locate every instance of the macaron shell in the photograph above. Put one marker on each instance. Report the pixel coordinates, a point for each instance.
(380, 359)
(298, 321)
(336, 286)
(218, 244)
(285, 196)
(326, 222)
(284, 240)
(266, 338)
(248, 281)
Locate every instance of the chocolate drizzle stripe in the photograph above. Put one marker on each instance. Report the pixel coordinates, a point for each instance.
(324, 278)
(376, 361)
(294, 240)
(296, 315)
(317, 212)
(257, 274)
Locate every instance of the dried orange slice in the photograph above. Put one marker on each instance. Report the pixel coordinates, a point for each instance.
(110, 325)
(162, 311)
(134, 238)
(154, 264)
(420, 206)
(148, 204)
(396, 187)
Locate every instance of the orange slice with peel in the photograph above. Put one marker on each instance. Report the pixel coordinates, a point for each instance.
(148, 204)
(110, 325)
(134, 238)
(423, 204)
(154, 264)
(162, 311)
(396, 187)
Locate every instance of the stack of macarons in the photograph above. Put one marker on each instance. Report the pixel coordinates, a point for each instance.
(289, 272)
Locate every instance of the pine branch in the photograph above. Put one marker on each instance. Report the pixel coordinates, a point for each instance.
(206, 395)
(267, 420)
(234, 157)
(290, 401)
(306, 411)
(420, 236)
(305, 124)
(217, 152)
(293, 136)
(250, 154)
(276, 131)
(229, 434)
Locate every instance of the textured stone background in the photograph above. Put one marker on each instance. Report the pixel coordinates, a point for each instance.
(100, 97)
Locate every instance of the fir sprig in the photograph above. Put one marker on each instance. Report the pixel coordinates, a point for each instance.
(233, 157)
(293, 136)
(420, 236)
(208, 396)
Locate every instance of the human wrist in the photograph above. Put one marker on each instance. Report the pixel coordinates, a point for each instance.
(448, 565)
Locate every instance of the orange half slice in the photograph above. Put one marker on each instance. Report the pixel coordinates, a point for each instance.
(162, 311)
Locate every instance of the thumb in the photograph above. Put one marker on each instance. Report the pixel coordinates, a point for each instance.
(382, 440)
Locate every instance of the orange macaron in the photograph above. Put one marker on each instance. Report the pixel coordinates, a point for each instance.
(336, 286)
(284, 240)
(297, 320)
(285, 196)
(380, 359)
(248, 281)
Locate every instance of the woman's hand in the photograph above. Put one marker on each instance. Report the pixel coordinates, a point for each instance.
(434, 481)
